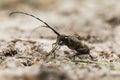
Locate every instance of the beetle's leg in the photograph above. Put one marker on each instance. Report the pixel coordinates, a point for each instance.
(53, 45)
(83, 49)
(91, 56)
(54, 55)
(74, 57)
(77, 55)
(53, 50)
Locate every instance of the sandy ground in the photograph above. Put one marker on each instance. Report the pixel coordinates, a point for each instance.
(97, 22)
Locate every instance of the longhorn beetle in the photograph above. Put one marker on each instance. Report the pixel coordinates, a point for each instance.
(71, 42)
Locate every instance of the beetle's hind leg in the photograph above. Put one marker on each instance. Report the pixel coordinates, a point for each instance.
(90, 56)
(73, 57)
(84, 51)
(78, 55)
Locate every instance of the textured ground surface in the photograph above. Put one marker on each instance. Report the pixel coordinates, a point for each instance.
(96, 21)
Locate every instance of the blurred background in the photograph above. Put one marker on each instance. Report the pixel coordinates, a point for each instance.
(69, 15)
(96, 21)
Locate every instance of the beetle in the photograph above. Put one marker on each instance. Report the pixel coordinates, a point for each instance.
(72, 42)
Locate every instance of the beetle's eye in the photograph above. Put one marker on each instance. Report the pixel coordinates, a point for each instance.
(66, 37)
(61, 43)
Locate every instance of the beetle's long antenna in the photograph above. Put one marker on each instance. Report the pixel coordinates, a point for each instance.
(35, 30)
(48, 26)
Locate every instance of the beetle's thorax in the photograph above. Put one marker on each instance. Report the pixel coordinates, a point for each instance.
(70, 41)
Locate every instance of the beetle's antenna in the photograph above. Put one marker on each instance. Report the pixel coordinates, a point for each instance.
(48, 26)
(35, 30)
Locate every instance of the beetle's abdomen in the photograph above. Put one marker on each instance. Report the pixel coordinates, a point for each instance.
(75, 44)
(83, 50)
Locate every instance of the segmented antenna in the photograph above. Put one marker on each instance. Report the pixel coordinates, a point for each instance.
(48, 26)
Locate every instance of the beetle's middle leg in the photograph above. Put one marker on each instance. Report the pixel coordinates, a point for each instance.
(76, 55)
(82, 51)
(85, 51)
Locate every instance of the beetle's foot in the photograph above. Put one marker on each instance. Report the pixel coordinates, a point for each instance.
(73, 57)
(54, 55)
(91, 57)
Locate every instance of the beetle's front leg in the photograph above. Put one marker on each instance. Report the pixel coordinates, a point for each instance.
(53, 50)
(54, 55)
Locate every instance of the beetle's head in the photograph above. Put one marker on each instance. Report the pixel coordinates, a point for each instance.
(62, 39)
